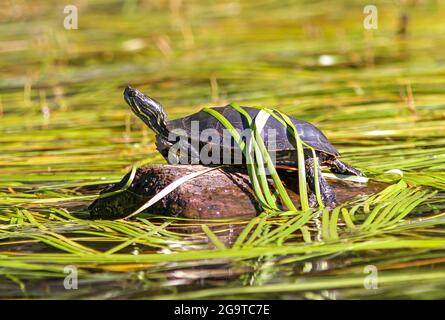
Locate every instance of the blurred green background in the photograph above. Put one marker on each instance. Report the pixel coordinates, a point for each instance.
(313, 59)
(65, 130)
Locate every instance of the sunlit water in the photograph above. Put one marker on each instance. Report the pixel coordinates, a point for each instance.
(67, 132)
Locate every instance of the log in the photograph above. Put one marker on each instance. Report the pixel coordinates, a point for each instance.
(218, 194)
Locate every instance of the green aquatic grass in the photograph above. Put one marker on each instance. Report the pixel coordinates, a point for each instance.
(257, 154)
(257, 157)
(65, 132)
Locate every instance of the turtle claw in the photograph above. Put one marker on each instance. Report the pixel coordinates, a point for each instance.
(327, 193)
(312, 199)
(329, 199)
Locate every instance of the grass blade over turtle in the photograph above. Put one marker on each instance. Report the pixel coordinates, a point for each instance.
(261, 155)
(178, 141)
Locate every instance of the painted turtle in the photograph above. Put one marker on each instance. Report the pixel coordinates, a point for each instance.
(153, 115)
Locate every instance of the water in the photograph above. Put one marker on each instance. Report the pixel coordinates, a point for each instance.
(66, 132)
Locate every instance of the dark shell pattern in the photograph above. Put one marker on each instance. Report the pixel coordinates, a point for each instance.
(307, 132)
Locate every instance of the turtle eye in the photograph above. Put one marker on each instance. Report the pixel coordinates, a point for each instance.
(129, 91)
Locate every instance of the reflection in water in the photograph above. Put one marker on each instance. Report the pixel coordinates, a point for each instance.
(359, 88)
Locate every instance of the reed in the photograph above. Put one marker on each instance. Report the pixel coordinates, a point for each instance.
(65, 132)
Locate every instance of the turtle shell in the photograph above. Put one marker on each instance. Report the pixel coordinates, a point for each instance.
(307, 132)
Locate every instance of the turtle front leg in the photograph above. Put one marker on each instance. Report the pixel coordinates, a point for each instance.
(327, 193)
(338, 166)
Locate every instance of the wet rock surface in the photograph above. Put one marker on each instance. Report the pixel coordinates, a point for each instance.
(218, 194)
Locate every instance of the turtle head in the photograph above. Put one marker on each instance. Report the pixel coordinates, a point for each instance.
(148, 110)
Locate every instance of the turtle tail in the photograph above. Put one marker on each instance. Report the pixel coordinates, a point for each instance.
(340, 167)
